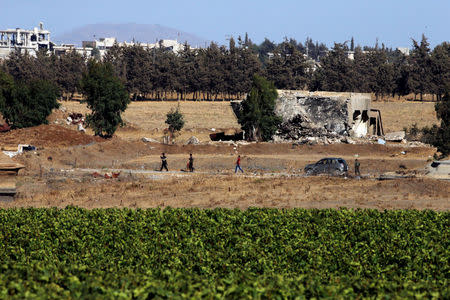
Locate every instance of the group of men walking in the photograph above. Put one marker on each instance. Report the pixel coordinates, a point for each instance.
(190, 165)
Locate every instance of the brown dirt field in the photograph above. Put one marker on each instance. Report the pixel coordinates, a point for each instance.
(216, 157)
(46, 135)
(60, 182)
(237, 191)
(54, 177)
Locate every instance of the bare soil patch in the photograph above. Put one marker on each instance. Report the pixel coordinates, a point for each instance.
(46, 136)
(272, 178)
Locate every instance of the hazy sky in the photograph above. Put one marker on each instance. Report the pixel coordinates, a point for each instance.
(393, 22)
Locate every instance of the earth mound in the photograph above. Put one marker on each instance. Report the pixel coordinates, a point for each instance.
(47, 136)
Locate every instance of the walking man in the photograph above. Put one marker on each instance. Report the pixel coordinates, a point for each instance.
(191, 163)
(238, 165)
(357, 164)
(164, 162)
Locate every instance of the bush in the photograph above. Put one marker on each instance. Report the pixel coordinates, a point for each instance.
(442, 138)
(175, 120)
(106, 96)
(258, 119)
(26, 104)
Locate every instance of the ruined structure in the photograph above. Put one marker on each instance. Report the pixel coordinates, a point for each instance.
(8, 174)
(22, 40)
(326, 114)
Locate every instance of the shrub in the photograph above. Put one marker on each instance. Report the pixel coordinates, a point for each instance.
(175, 120)
(106, 96)
(26, 104)
(257, 118)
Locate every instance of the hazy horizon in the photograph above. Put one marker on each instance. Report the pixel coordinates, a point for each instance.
(327, 21)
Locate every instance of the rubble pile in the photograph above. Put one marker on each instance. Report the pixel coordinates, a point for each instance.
(304, 118)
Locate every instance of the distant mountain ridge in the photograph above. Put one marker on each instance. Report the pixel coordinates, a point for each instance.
(143, 33)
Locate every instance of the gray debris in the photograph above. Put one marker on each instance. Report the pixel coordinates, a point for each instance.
(192, 141)
(397, 136)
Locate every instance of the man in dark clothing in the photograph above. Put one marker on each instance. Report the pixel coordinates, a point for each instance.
(357, 173)
(238, 165)
(164, 162)
(191, 163)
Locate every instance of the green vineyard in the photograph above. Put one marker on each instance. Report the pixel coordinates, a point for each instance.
(223, 254)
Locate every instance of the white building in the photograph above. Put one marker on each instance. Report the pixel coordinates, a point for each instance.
(22, 40)
(404, 50)
(104, 44)
(31, 41)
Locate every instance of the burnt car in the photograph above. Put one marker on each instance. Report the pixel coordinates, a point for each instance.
(330, 165)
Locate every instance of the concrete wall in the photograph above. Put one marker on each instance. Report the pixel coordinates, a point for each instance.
(341, 112)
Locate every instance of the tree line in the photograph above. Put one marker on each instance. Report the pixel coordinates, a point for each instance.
(219, 72)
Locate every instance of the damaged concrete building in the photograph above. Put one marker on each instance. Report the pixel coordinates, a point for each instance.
(326, 114)
(22, 40)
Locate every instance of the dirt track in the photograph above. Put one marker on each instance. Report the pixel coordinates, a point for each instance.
(58, 182)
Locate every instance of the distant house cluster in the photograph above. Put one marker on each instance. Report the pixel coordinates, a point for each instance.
(38, 39)
(104, 44)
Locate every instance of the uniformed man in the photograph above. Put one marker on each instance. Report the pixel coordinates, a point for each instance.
(164, 162)
(357, 164)
(191, 163)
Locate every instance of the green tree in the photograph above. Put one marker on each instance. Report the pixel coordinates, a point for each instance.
(258, 118)
(440, 61)
(26, 104)
(106, 96)
(382, 74)
(421, 68)
(175, 120)
(70, 68)
(95, 53)
(442, 141)
(116, 57)
(287, 68)
(336, 72)
(138, 70)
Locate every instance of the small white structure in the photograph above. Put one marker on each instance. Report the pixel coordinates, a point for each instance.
(104, 44)
(404, 50)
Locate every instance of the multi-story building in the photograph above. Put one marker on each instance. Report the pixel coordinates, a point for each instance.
(23, 40)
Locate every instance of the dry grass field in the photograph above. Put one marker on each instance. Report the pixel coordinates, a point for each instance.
(398, 115)
(230, 191)
(147, 118)
(61, 171)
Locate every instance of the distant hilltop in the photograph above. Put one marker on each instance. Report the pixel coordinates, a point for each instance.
(127, 32)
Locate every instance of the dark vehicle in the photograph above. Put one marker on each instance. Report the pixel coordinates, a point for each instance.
(329, 165)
